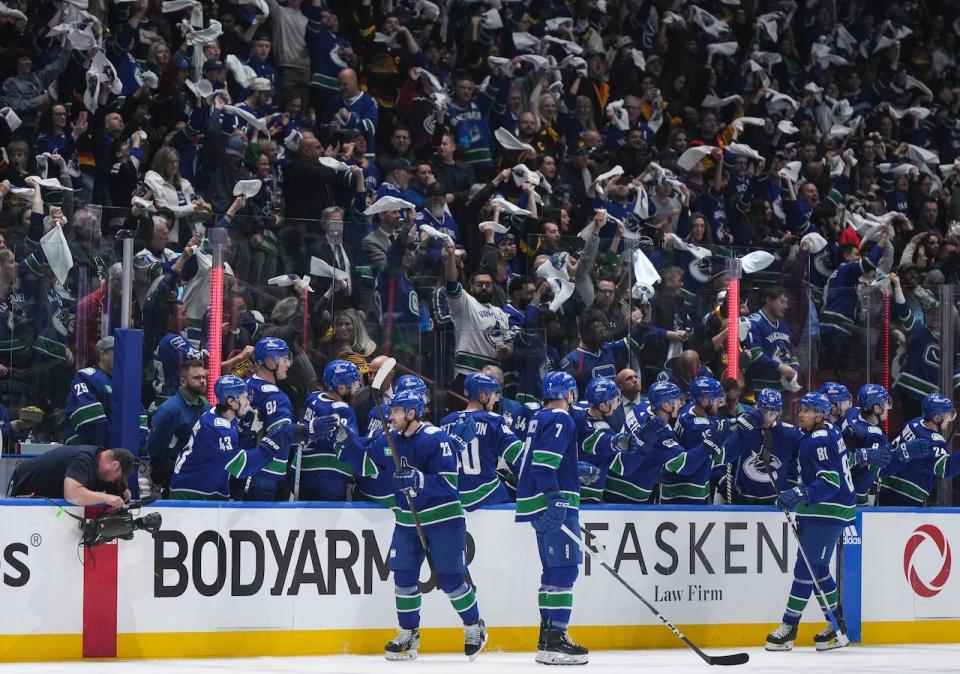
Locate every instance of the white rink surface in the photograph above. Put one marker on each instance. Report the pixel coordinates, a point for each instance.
(894, 659)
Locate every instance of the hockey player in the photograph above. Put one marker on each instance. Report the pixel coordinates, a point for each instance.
(428, 475)
(744, 448)
(865, 439)
(323, 477)
(273, 415)
(598, 442)
(825, 503)
(89, 402)
(632, 478)
(213, 454)
(697, 419)
(487, 439)
(840, 402)
(548, 496)
(923, 455)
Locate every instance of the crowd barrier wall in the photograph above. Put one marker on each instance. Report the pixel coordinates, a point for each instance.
(230, 579)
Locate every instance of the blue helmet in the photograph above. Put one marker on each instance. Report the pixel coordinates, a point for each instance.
(477, 383)
(601, 390)
(229, 386)
(270, 347)
(408, 400)
(870, 395)
(815, 401)
(935, 403)
(836, 393)
(340, 373)
(770, 400)
(663, 392)
(705, 387)
(557, 385)
(411, 382)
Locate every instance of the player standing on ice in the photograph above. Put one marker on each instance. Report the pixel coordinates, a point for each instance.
(487, 438)
(825, 504)
(428, 474)
(548, 496)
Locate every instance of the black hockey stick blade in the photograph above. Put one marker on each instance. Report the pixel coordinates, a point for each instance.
(732, 659)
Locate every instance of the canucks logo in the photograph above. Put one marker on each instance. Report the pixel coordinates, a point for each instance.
(755, 467)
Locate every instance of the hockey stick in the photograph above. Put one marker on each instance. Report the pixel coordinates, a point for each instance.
(296, 472)
(821, 596)
(376, 388)
(732, 659)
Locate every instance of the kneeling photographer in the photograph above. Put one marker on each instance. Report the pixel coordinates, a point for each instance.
(81, 475)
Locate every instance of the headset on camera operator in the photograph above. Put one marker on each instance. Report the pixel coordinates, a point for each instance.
(82, 475)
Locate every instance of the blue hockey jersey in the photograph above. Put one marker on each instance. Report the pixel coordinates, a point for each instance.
(212, 456)
(169, 355)
(920, 373)
(549, 463)
(88, 407)
(478, 480)
(912, 481)
(690, 485)
(751, 483)
(858, 433)
(431, 451)
(273, 417)
(632, 477)
(769, 345)
(824, 469)
(320, 456)
(595, 439)
(840, 293)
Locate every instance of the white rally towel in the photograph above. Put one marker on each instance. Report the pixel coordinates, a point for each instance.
(495, 226)
(11, 118)
(787, 127)
(568, 46)
(562, 290)
(711, 101)
(817, 242)
(250, 119)
(388, 203)
(510, 142)
(509, 207)
(644, 272)
(242, 73)
(57, 250)
(333, 163)
(743, 150)
(247, 188)
(320, 268)
(693, 156)
(524, 41)
(723, 48)
(741, 122)
(521, 174)
(756, 261)
(294, 280)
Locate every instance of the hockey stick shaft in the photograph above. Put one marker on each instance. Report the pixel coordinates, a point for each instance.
(821, 596)
(734, 659)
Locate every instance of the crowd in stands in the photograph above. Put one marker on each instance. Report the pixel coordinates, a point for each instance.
(522, 186)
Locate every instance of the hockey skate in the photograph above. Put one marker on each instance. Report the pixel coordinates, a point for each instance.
(828, 638)
(403, 646)
(782, 638)
(558, 649)
(474, 639)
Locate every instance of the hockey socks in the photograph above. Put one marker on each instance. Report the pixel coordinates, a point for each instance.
(408, 605)
(556, 603)
(800, 593)
(464, 602)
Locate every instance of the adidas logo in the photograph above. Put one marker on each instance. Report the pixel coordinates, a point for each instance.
(851, 536)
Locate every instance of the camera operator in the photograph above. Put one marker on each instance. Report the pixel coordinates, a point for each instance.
(82, 475)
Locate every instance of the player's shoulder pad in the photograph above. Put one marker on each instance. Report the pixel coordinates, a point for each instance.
(430, 430)
(87, 371)
(269, 388)
(221, 422)
(822, 433)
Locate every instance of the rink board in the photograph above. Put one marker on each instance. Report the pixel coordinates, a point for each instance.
(300, 579)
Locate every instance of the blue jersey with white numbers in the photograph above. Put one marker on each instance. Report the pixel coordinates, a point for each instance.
(824, 470)
(632, 477)
(88, 410)
(478, 479)
(751, 482)
(320, 456)
(913, 480)
(211, 456)
(273, 417)
(431, 451)
(549, 463)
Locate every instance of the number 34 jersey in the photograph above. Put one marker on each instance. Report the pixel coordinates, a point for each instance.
(480, 457)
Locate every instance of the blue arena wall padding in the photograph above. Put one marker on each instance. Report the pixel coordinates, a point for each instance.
(125, 412)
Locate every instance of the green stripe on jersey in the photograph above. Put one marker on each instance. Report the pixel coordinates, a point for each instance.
(434, 515)
(534, 504)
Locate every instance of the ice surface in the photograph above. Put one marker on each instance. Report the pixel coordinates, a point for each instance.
(894, 659)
